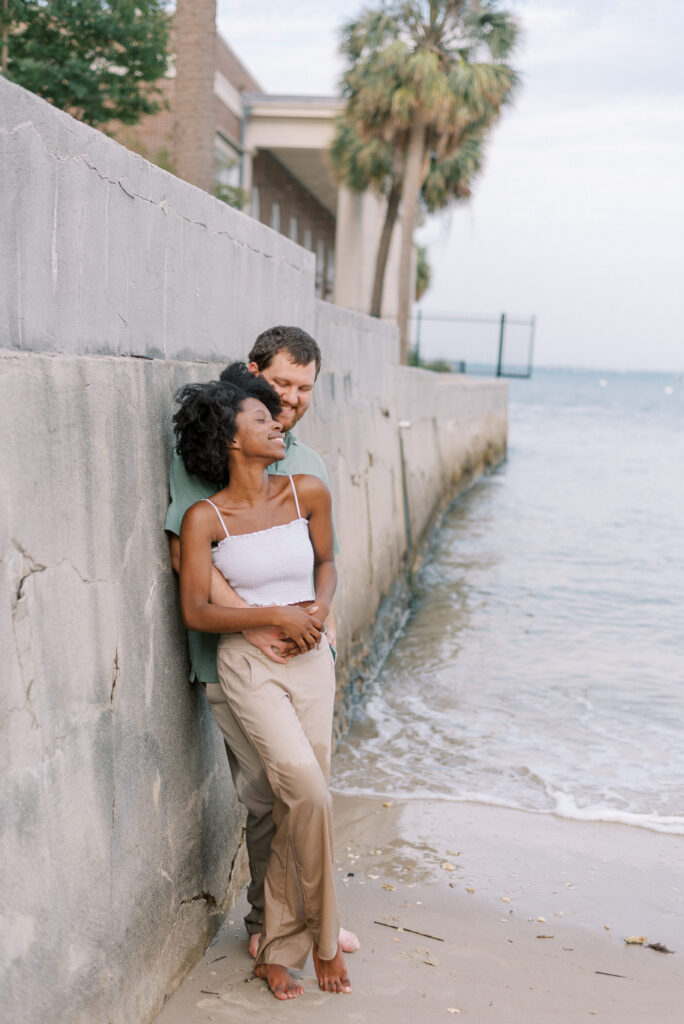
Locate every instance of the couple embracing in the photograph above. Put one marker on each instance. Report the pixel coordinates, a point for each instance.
(252, 538)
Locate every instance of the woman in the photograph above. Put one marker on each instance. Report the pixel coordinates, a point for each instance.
(271, 537)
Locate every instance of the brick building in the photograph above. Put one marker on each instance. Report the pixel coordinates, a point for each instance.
(265, 153)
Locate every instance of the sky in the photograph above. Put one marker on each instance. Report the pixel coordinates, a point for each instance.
(578, 216)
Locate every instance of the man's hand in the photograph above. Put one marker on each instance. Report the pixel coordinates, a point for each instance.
(281, 648)
(272, 641)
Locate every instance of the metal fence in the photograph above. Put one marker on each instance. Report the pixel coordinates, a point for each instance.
(501, 346)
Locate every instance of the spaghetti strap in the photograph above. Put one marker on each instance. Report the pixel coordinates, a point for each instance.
(294, 491)
(218, 513)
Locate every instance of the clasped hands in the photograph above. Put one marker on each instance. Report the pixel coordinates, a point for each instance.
(299, 629)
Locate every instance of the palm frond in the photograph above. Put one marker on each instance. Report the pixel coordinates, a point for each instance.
(371, 31)
(498, 30)
(361, 163)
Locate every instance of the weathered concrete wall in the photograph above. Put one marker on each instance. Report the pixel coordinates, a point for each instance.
(119, 824)
(453, 428)
(104, 252)
(118, 827)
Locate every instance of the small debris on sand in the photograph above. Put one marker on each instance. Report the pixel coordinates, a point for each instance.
(659, 947)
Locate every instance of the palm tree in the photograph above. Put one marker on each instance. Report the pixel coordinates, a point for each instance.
(423, 76)
(372, 164)
(452, 179)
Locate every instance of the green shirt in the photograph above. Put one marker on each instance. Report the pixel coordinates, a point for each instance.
(185, 490)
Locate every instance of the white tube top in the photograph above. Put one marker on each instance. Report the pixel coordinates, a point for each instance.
(268, 567)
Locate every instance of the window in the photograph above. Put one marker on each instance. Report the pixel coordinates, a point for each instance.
(226, 163)
(308, 240)
(275, 216)
(294, 228)
(227, 173)
(256, 206)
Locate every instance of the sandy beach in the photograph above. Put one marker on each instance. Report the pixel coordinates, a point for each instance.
(481, 913)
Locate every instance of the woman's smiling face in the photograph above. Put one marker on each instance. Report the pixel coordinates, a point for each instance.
(257, 432)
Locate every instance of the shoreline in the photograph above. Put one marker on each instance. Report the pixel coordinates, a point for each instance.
(483, 912)
(649, 823)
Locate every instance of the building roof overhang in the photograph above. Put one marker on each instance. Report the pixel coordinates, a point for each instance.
(298, 131)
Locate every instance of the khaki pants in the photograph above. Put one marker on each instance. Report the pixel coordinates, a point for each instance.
(285, 711)
(254, 791)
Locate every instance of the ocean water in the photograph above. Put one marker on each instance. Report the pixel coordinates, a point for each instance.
(542, 664)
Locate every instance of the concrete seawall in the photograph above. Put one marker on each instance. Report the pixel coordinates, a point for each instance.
(121, 839)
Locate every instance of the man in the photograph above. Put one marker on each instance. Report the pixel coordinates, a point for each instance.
(290, 360)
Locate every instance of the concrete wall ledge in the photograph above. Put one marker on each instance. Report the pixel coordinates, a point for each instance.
(121, 840)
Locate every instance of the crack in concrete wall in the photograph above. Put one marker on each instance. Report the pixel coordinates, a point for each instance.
(21, 626)
(33, 567)
(163, 205)
(115, 677)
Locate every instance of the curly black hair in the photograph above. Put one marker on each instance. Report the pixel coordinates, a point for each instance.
(206, 423)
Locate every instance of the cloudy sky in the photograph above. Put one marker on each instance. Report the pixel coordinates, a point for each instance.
(579, 215)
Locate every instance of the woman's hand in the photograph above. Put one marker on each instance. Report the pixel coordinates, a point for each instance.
(318, 609)
(304, 628)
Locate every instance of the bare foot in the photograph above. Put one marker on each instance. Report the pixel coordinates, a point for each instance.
(279, 980)
(332, 974)
(349, 942)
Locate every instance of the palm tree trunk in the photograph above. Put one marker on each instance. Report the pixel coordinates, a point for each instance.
(415, 162)
(384, 247)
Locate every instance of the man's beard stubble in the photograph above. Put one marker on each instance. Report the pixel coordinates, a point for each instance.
(288, 417)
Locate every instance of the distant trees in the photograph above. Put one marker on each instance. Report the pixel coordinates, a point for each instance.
(423, 272)
(98, 60)
(423, 83)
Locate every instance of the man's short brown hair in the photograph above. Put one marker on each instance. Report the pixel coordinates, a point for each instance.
(300, 347)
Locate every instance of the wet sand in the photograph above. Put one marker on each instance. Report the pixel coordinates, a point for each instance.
(524, 919)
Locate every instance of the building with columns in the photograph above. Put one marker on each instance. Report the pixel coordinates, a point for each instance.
(266, 153)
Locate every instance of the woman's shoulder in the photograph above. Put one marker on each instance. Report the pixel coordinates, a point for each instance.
(203, 512)
(310, 483)
(311, 491)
